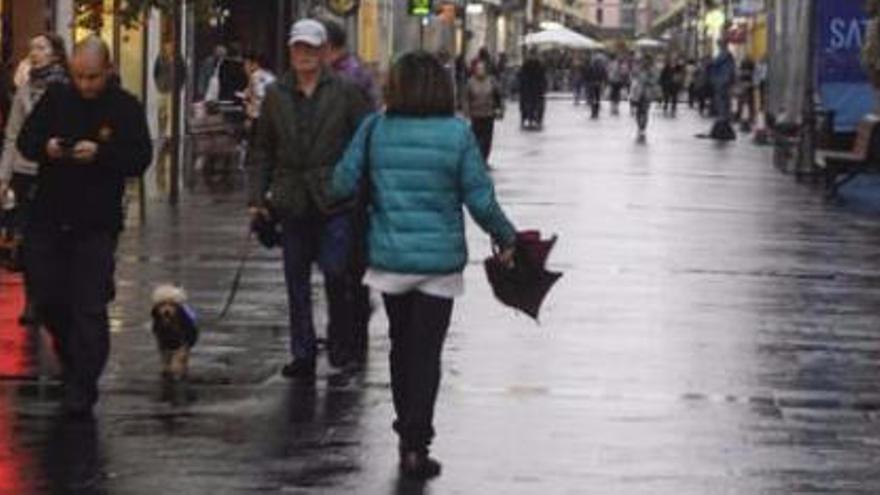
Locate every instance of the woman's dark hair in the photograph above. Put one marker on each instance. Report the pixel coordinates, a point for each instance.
(419, 86)
(59, 48)
(336, 35)
(258, 57)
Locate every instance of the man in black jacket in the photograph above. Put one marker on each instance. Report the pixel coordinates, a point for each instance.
(88, 139)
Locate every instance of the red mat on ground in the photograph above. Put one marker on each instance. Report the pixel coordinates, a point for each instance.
(13, 362)
(13, 338)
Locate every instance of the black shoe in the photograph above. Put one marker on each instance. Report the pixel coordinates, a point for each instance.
(299, 369)
(338, 355)
(418, 466)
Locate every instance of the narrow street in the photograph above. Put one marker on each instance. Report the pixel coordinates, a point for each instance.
(716, 331)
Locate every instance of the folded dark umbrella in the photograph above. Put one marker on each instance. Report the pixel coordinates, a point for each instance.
(530, 245)
(525, 285)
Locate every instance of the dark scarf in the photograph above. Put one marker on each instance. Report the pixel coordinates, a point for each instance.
(43, 77)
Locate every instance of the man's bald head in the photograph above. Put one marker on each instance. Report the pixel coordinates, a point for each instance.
(94, 47)
(91, 67)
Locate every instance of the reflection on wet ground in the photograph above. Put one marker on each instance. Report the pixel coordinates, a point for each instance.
(716, 332)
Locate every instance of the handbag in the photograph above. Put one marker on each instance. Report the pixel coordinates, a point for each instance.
(213, 91)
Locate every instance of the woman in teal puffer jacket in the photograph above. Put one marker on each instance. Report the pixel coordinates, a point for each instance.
(423, 165)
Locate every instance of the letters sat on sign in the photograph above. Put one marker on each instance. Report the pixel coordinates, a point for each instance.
(420, 7)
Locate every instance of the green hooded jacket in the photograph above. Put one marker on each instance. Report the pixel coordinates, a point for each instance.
(298, 142)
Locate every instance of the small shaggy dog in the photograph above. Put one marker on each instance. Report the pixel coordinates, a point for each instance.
(174, 325)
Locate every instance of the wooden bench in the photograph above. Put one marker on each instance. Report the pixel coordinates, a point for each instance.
(840, 167)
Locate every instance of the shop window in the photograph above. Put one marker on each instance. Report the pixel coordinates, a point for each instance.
(96, 18)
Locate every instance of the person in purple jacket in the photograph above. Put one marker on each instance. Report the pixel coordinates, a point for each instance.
(350, 68)
(347, 64)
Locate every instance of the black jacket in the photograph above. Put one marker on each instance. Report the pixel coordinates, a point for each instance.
(233, 79)
(86, 196)
(533, 78)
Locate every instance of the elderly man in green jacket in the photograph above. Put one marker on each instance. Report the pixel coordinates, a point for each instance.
(308, 118)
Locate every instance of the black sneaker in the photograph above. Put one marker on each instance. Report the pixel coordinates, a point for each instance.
(418, 466)
(299, 369)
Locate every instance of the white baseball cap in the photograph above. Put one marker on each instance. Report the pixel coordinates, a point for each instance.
(308, 31)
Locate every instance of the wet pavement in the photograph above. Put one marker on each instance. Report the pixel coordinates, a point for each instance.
(716, 332)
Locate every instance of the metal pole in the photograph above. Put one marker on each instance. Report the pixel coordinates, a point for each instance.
(174, 192)
(808, 149)
(145, 87)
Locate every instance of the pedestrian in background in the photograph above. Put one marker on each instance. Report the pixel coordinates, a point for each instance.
(578, 82)
(462, 73)
(532, 88)
(423, 165)
(690, 82)
(671, 80)
(169, 65)
(47, 61)
(308, 118)
(722, 74)
(88, 139)
(704, 87)
(231, 75)
(745, 101)
(208, 82)
(483, 104)
(347, 65)
(595, 77)
(616, 78)
(259, 79)
(645, 90)
(501, 67)
(484, 56)
(350, 68)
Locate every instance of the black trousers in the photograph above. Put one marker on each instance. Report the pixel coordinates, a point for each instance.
(24, 187)
(616, 92)
(71, 277)
(594, 97)
(670, 98)
(419, 324)
(746, 102)
(484, 130)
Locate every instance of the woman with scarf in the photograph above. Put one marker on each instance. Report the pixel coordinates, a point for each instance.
(48, 66)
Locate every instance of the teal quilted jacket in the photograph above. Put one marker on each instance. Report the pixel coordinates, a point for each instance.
(422, 172)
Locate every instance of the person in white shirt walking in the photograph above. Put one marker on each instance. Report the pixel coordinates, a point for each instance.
(259, 78)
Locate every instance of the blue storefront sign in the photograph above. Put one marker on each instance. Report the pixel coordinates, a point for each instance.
(843, 84)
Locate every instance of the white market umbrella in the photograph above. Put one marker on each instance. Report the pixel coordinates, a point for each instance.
(649, 43)
(561, 36)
